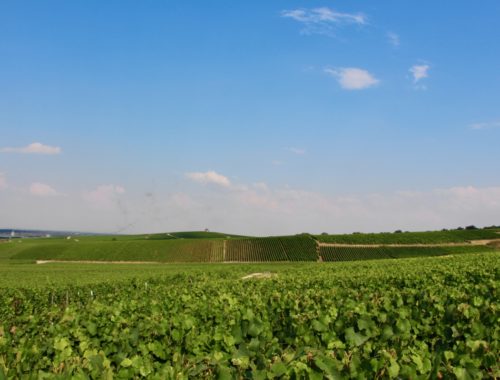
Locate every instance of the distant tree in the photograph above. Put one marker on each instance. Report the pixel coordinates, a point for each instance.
(471, 227)
(398, 232)
(444, 229)
(324, 233)
(460, 229)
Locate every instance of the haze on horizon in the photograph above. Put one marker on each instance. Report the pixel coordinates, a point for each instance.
(256, 118)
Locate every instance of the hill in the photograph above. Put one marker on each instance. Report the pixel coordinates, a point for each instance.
(210, 247)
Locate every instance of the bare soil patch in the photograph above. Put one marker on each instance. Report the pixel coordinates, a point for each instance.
(96, 262)
(259, 275)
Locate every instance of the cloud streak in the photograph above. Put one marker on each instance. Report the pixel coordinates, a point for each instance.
(43, 190)
(352, 78)
(209, 177)
(297, 151)
(323, 20)
(104, 196)
(485, 125)
(34, 148)
(393, 39)
(3, 181)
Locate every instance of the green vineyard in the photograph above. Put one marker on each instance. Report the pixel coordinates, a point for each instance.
(332, 253)
(204, 247)
(185, 250)
(431, 237)
(426, 318)
(288, 248)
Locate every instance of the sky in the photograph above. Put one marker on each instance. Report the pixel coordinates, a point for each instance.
(259, 117)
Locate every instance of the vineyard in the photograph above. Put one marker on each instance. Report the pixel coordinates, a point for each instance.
(431, 237)
(423, 318)
(185, 250)
(288, 248)
(345, 253)
(211, 247)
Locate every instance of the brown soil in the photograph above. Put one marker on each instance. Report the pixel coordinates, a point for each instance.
(96, 262)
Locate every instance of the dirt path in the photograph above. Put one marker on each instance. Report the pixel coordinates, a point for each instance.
(472, 242)
(96, 262)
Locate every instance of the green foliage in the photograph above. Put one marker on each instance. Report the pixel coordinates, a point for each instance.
(421, 318)
(283, 248)
(177, 250)
(346, 253)
(287, 248)
(211, 247)
(431, 237)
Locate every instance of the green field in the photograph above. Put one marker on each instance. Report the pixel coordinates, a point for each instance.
(430, 317)
(213, 247)
(431, 237)
(329, 253)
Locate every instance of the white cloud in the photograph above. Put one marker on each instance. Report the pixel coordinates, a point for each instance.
(104, 195)
(262, 186)
(39, 189)
(3, 181)
(486, 125)
(255, 208)
(34, 148)
(297, 151)
(419, 72)
(352, 78)
(323, 20)
(209, 177)
(393, 39)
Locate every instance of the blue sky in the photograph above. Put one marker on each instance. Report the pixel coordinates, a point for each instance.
(260, 117)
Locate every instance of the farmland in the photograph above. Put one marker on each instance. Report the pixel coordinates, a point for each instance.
(429, 237)
(211, 247)
(226, 306)
(424, 317)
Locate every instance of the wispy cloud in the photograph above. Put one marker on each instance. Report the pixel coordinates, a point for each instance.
(352, 78)
(419, 72)
(209, 177)
(3, 181)
(393, 39)
(39, 189)
(486, 125)
(323, 20)
(104, 196)
(34, 148)
(297, 151)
